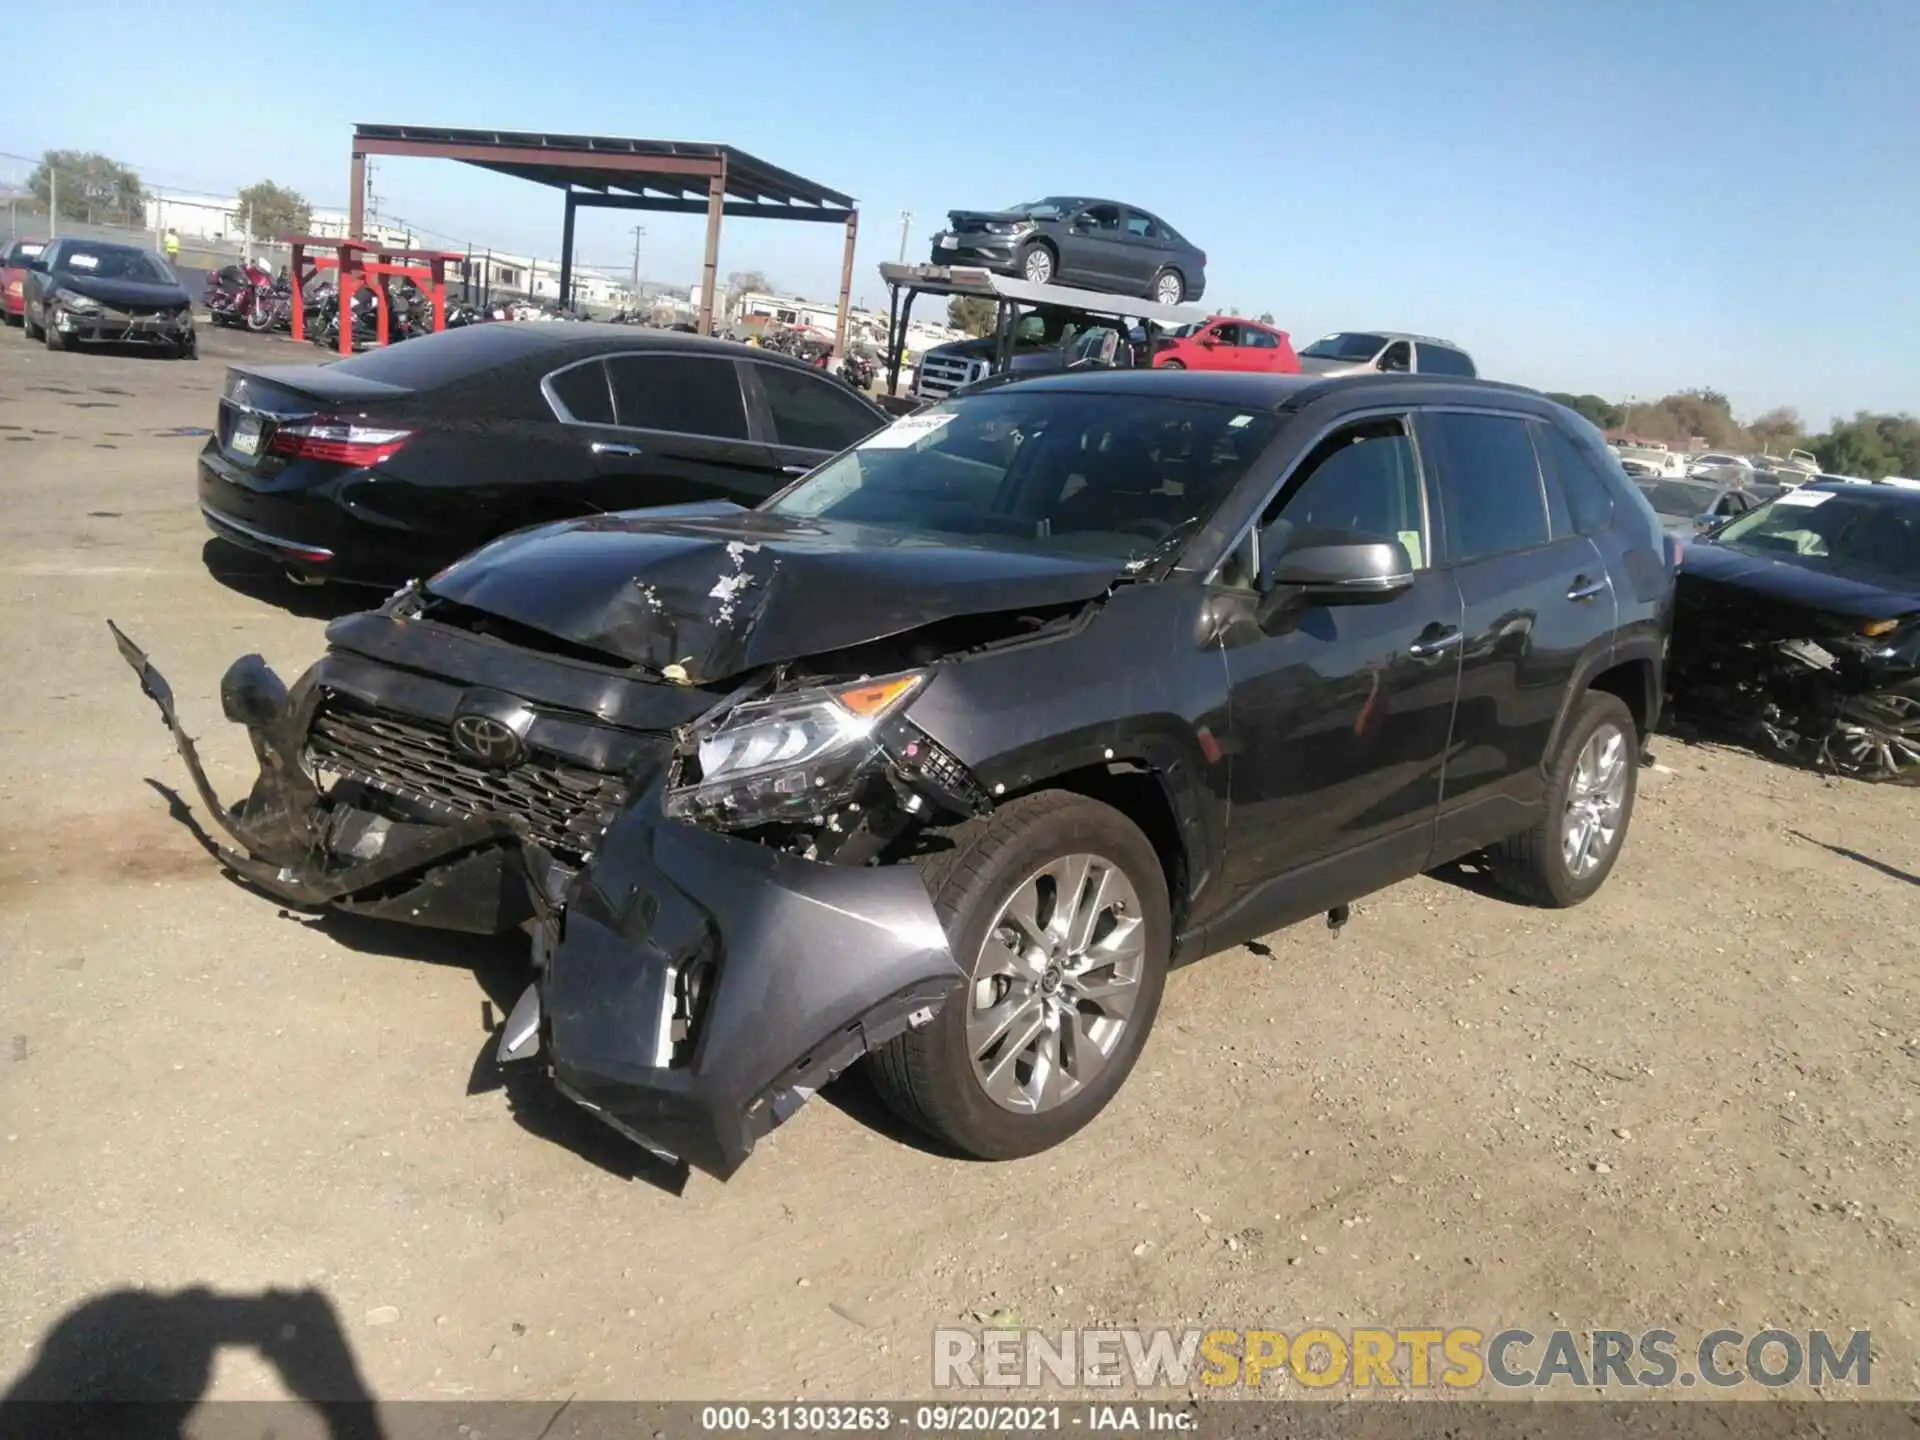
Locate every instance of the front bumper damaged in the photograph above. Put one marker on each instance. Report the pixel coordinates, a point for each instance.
(692, 989)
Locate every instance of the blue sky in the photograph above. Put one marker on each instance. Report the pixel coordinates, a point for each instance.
(1622, 196)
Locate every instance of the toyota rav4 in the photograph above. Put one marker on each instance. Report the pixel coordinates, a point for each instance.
(942, 756)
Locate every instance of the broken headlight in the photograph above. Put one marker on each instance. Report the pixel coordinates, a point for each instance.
(790, 757)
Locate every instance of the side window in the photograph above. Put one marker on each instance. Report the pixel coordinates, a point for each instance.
(1101, 219)
(583, 391)
(1570, 474)
(1226, 334)
(1490, 491)
(1363, 478)
(690, 394)
(1141, 227)
(1443, 360)
(1397, 357)
(811, 413)
(1259, 339)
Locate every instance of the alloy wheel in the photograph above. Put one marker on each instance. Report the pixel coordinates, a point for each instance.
(1168, 289)
(1055, 983)
(1038, 266)
(1596, 796)
(1877, 737)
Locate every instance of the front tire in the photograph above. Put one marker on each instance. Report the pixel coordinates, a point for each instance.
(1571, 850)
(1877, 736)
(1038, 264)
(50, 332)
(1171, 365)
(28, 329)
(1056, 905)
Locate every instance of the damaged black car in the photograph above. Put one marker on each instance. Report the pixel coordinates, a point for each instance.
(1797, 630)
(942, 756)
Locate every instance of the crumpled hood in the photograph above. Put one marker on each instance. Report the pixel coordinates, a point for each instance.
(1782, 580)
(718, 590)
(120, 292)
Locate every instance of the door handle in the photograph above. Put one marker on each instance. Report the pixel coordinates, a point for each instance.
(1435, 646)
(795, 469)
(611, 447)
(1585, 589)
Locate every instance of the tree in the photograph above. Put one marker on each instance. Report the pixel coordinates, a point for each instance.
(1602, 413)
(1871, 445)
(91, 187)
(1778, 430)
(974, 314)
(271, 210)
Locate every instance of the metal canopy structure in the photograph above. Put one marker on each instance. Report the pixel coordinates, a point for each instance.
(607, 172)
(1007, 294)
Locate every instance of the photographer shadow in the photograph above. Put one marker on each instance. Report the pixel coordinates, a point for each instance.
(136, 1363)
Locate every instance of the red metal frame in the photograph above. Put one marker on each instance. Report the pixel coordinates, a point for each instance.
(373, 266)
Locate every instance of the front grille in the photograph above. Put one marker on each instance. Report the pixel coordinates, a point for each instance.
(566, 806)
(942, 374)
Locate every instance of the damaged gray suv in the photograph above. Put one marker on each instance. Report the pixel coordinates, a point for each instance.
(942, 756)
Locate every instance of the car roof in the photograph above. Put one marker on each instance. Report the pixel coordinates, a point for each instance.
(91, 244)
(1253, 391)
(1401, 335)
(582, 339)
(1885, 494)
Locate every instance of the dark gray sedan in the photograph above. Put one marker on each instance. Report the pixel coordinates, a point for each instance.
(1072, 240)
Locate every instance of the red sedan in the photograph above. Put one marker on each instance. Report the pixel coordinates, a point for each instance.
(1229, 343)
(13, 277)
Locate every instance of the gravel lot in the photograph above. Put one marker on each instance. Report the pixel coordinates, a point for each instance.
(1689, 1104)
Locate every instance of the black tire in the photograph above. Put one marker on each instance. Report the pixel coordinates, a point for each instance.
(1532, 865)
(926, 1076)
(1038, 254)
(1153, 290)
(50, 332)
(27, 328)
(1170, 365)
(187, 349)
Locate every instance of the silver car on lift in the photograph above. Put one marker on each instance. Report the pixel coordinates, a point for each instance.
(1354, 352)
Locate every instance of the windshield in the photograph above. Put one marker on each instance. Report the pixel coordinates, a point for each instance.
(116, 262)
(1107, 474)
(1049, 209)
(1677, 498)
(22, 251)
(1347, 345)
(1849, 533)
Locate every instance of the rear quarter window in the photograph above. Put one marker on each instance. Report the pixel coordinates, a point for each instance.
(681, 394)
(582, 389)
(1443, 360)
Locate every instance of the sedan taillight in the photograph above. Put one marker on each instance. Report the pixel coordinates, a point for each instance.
(339, 442)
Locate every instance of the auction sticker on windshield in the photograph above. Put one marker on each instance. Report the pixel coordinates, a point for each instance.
(905, 434)
(1805, 497)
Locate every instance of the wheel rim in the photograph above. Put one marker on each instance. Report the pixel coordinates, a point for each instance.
(1877, 737)
(1167, 290)
(1055, 983)
(1039, 267)
(1596, 799)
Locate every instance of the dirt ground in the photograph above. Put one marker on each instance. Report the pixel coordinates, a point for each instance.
(1690, 1103)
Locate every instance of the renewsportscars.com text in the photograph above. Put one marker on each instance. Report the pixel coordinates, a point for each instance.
(1457, 1358)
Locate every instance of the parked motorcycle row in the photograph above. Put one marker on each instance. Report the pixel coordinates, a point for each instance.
(253, 297)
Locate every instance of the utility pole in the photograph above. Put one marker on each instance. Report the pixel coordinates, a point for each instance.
(906, 219)
(53, 202)
(634, 295)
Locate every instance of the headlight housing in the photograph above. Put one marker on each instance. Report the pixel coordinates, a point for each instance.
(1008, 227)
(73, 300)
(790, 757)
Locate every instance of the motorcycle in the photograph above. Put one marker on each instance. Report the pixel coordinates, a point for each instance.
(233, 292)
(858, 370)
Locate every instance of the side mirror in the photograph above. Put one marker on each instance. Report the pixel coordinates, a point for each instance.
(1704, 523)
(1336, 567)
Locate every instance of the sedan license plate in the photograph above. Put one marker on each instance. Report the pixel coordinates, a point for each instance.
(246, 436)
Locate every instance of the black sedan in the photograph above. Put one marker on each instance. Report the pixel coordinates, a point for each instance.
(1797, 626)
(95, 291)
(1071, 240)
(394, 463)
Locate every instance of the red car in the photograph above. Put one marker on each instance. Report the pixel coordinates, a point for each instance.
(13, 277)
(1227, 342)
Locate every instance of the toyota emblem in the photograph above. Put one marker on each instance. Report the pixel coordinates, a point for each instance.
(486, 740)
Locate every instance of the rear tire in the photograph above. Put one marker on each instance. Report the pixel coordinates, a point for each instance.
(1052, 1078)
(1571, 850)
(1169, 287)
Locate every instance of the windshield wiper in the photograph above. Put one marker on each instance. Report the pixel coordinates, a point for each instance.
(1163, 548)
